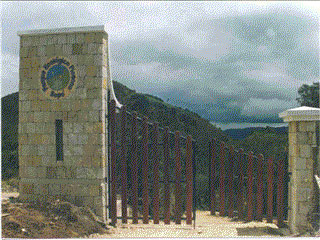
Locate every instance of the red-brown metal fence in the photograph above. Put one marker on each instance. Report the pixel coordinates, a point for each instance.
(243, 184)
(150, 169)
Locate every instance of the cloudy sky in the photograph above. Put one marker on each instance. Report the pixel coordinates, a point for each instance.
(228, 61)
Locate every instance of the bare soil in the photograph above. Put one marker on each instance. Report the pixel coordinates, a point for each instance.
(63, 220)
(46, 220)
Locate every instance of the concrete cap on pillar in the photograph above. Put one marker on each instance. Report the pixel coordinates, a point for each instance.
(301, 114)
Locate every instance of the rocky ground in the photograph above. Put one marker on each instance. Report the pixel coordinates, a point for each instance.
(64, 220)
(47, 220)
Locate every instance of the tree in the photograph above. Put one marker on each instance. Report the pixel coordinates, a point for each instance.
(309, 95)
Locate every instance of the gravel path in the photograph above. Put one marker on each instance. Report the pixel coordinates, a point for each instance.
(206, 226)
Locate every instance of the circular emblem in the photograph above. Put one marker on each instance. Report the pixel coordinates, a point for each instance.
(57, 77)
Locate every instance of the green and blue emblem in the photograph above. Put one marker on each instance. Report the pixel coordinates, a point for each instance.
(57, 77)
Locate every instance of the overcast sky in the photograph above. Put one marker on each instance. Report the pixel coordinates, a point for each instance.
(228, 61)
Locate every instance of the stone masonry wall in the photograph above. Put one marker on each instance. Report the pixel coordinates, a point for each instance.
(79, 176)
(302, 139)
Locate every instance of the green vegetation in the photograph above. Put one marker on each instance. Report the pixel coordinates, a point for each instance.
(309, 95)
(266, 140)
(9, 135)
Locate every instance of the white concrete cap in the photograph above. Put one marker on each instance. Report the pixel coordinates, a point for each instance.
(301, 114)
(99, 28)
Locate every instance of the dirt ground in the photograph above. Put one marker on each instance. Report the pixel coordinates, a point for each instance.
(46, 220)
(29, 221)
(206, 226)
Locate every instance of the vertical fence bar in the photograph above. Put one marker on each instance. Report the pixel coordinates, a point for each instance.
(270, 191)
(124, 164)
(189, 176)
(212, 177)
(240, 184)
(222, 180)
(250, 187)
(280, 193)
(155, 173)
(166, 176)
(145, 160)
(194, 167)
(113, 205)
(260, 187)
(230, 182)
(134, 154)
(178, 178)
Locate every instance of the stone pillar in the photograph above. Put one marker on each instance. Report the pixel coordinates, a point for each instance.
(64, 78)
(303, 165)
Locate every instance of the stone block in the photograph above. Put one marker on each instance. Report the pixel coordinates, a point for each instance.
(36, 138)
(77, 48)
(305, 126)
(26, 188)
(71, 38)
(80, 93)
(91, 71)
(70, 172)
(93, 116)
(24, 52)
(59, 50)
(78, 150)
(26, 41)
(41, 172)
(305, 151)
(85, 173)
(35, 160)
(50, 50)
(61, 172)
(72, 116)
(62, 39)
(27, 150)
(23, 139)
(67, 49)
(311, 138)
(78, 127)
(89, 37)
(51, 172)
(25, 106)
(41, 51)
(54, 189)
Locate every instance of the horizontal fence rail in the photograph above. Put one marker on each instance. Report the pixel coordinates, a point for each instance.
(247, 186)
(151, 170)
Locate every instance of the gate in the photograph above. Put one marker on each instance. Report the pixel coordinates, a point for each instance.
(151, 170)
(247, 186)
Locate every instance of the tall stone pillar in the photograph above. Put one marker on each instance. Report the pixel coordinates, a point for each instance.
(304, 163)
(64, 78)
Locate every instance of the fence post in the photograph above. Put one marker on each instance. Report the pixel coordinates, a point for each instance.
(166, 176)
(189, 174)
(134, 154)
(280, 189)
(155, 173)
(145, 160)
(241, 184)
(250, 187)
(230, 182)
(212, 177)
(222, 180)
(270, 191)
(113, 212)
(124, 164)
(178, 178)
(260, 187)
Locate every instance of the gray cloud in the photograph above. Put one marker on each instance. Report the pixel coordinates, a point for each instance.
(226, 61)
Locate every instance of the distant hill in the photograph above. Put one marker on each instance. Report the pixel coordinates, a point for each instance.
(242, 133)
(9, 135)
(155, 108)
